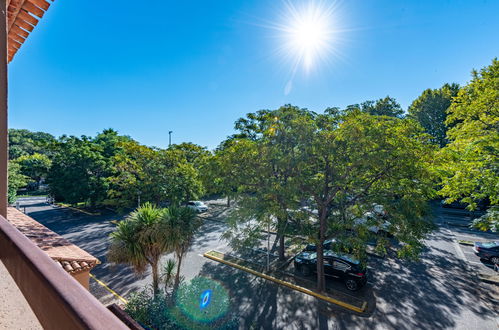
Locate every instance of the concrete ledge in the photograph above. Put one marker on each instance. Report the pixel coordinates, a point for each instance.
(217, 256)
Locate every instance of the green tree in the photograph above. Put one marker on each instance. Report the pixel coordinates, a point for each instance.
(430, 110)
(35, 166)
(387, 106)
(78, 172)
(470, 162)
(110, 142)
(16, 180)
(265, 167)
(182, 223)
(134, 176)
(152, 175)
(350, 162)
(141, 239)
(179, 180)
(23, 142)
(193, 153)
(218, 174)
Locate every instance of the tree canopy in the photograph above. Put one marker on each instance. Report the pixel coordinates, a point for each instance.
(470, 162)
(430, 110)
(337, 163)
(387, 106)
(23, 142)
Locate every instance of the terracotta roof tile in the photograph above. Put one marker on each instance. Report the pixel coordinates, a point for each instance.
(69, 256)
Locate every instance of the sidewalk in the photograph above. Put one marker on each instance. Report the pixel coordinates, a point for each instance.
(15, 312)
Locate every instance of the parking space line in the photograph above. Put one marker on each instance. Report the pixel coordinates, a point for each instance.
(360, 309)
(108, 289)
(459, 252)
(475, 262)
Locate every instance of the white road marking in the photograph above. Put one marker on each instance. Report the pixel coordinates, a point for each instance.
(459, 252)
(475, 262)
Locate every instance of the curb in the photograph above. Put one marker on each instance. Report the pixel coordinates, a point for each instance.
(108, 289)
(489, 279)
(76, 209)
(289, 285)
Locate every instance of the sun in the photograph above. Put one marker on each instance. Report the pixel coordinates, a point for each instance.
(308, 32)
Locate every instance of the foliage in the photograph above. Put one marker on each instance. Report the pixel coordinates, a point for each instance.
(134, 175)
(193, 153)
(141, 239)
(357, 160)
(430, 110)
(182, 311)
(292, 161)
(78, 172)
(180, 223)
(150, 232)
(168, 274)
(265, 168)
(387, 106)
(23, 142)
(152, 175)
(35, 166)
(16, 180)
(150, 310)
(488, 221)
(469, 164)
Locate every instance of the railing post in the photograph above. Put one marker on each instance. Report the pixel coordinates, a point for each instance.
(4, 155)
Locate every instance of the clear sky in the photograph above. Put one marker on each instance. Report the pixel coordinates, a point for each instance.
(194, 67)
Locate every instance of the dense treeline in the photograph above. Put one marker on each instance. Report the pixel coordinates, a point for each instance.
(446, 143)
(108, 169)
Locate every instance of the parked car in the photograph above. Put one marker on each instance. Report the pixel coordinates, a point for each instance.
(379, 224)
(339, 266)
(332, 244)
(488, 251)
(197, 206)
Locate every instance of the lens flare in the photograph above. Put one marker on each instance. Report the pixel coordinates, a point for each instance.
(205, 299)
(308, 31)
(201, 301)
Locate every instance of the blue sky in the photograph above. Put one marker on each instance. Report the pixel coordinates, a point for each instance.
(194, 67)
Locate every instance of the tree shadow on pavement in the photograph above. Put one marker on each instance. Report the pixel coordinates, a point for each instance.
(260, 304)
(431, 294)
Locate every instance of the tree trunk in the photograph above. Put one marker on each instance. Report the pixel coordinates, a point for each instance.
(155, 277)
(228, 201)
(177, 275)
(321, 278)
(281, 247)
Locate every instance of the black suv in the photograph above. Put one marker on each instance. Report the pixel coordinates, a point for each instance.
(488, 251)
(340, 266)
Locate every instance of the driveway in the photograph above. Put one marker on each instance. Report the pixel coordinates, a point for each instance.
(438, 292)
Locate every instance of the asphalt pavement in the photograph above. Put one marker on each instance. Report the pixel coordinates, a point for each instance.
(441, 291)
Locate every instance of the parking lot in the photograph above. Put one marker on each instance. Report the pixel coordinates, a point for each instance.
(456, 223)
(440, 291)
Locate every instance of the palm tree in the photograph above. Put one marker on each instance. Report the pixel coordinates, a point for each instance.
(141, 240)
(182, 223)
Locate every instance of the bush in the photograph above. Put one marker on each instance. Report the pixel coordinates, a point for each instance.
(182, 310)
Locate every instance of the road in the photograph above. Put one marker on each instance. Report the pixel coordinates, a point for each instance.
(440, 291)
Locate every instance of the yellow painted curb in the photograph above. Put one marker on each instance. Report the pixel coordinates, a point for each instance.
(289, 285)
(76, 209)
(109, 289)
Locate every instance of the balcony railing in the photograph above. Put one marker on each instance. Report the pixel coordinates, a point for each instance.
(58, 301)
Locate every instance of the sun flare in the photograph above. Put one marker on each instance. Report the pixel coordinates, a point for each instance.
(308, 33)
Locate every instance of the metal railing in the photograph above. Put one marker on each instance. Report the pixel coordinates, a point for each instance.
(58, 300)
